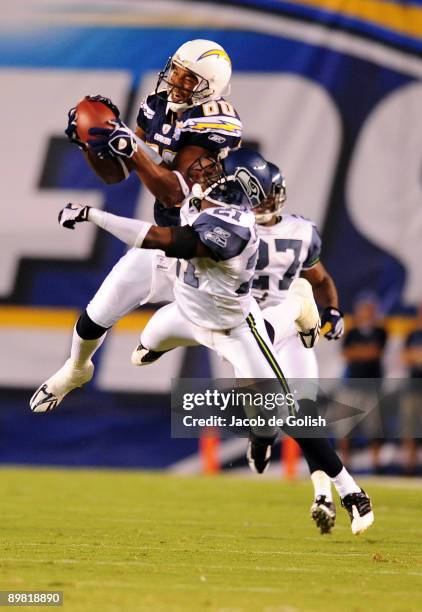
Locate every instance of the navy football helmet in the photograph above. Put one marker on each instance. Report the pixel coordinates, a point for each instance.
(243, 178)
(275, 201)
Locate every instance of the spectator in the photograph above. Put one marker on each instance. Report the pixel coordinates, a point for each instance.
(411, 404)
(363, 349)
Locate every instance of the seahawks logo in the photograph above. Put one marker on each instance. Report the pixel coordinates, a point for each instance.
(251, 186)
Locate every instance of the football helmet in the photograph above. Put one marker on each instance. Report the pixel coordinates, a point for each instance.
(275, 202)
(243, 178)
(207, 62)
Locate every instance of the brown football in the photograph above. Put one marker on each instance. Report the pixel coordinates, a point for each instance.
(96, 114)
(89, 114)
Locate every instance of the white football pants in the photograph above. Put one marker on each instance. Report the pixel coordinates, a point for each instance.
(299, 364)
(247, 347)
(140, 276)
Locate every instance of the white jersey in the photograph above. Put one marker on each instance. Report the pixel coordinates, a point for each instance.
(215, 292)
(286, 248)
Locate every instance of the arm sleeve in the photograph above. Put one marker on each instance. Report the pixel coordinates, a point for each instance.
(184, 242)
(129, 231)
(224, 240)
(314, 250)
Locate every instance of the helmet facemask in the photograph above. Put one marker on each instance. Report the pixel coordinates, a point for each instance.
(205, 173)
(193, 96)
(274, 203)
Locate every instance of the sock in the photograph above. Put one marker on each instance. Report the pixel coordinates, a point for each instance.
(322, 485)
(320, 451)
(345, 484)
(82, 350)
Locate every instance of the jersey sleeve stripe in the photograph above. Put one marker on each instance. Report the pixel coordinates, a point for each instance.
(310, 264)
(216, 124)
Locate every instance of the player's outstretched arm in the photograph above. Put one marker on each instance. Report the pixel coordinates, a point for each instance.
(324, 288)
(169, 186)
(180, 242)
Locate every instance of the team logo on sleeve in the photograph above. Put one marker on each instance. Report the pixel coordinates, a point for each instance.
(218, 235)
(251, 186)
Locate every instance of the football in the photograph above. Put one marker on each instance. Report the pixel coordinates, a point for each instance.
(91, 113)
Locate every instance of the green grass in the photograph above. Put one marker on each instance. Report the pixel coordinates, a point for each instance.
(130, 541)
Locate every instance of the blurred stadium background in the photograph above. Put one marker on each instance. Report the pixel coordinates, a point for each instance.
(328, 90)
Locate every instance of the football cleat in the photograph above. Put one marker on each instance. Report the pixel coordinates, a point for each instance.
(359, 507)
(308, 323)
(323, 513)
(142, 356)
(49, 395)
(258, 453)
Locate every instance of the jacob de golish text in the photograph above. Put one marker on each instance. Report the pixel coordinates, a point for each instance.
(273, 421)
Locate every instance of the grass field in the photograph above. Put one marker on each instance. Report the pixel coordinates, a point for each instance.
(130, 541)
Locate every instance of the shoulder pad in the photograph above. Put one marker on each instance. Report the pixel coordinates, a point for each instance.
(224, 239)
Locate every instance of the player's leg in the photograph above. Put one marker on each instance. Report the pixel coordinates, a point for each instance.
(298, 309)
(256, 359)
(167, 329)
(301, 363)
(127, 285)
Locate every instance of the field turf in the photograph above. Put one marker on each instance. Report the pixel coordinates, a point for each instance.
(129, 541)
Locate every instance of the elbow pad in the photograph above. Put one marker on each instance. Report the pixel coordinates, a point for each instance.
(184, 242)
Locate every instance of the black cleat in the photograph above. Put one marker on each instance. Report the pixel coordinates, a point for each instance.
(142, 356)
(258, 453)
(359, 508)
(323, 513)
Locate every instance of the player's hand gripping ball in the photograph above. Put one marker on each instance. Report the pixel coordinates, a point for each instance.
(116, 141)
(332, 323)
(89, 112)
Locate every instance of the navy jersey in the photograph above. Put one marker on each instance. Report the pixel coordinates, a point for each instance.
(214, 125)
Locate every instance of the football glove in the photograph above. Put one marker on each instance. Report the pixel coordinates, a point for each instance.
(106, 101)
(119, 141)
(73, 213)
(332, 323)
(71, 130)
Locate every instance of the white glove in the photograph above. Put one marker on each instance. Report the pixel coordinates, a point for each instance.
(117, 142)
(73, 213)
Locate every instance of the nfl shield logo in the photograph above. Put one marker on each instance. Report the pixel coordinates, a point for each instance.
(166, 128)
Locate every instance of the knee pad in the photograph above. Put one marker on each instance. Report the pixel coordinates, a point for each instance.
(87, 329)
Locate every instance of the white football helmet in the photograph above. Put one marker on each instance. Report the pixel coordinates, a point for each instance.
(209, 63)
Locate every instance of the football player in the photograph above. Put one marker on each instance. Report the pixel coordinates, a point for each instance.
(217, 248)
(184, 118)
(290, 247)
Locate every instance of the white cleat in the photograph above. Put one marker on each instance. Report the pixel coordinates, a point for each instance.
(308, 323)
(49, 395)
(359, 508)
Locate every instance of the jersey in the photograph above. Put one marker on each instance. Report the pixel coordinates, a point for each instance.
(214, 125)
(286, 248)
(214, 292)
